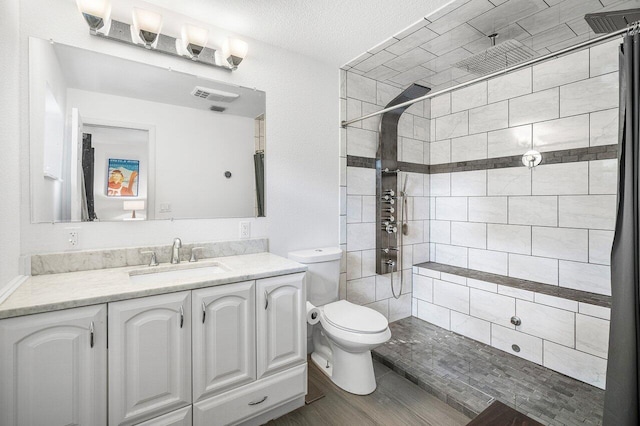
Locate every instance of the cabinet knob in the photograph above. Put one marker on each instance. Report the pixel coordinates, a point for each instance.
(91, 334)
(204, 312)
(181, 316)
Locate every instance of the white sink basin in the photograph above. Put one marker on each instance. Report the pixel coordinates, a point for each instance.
(170, 273)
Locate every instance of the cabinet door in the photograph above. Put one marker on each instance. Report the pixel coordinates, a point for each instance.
(223, 338)
(149, 357)
(280, 322)
(53, 368)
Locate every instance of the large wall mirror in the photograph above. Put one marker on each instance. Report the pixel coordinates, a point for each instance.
(118, 140)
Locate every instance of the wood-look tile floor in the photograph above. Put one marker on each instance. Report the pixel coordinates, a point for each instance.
(396, 401)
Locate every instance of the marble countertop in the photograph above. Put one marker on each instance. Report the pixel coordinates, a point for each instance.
(51, 292)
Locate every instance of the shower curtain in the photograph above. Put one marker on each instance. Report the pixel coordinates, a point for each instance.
(622, 405)
(258, 161)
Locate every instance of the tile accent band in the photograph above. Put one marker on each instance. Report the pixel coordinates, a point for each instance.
(603, 152)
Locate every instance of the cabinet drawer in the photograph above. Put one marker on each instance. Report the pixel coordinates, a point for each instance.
(181, 417)
(250, 400)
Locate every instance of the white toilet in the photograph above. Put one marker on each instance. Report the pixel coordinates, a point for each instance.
(346, 333)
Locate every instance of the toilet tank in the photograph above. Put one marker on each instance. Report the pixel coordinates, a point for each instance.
(323, 275)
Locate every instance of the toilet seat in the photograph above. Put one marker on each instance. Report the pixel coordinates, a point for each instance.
(354, 318)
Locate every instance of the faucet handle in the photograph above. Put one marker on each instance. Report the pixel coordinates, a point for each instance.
(194, 258)
(154, 260)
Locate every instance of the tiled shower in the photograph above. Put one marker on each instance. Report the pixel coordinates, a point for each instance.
(474, 205)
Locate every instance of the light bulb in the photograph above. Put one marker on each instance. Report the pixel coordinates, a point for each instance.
(147, 25)
(234, 51)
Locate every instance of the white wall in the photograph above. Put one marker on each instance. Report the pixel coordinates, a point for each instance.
(301, 166)
(9, 143)
(193, 148)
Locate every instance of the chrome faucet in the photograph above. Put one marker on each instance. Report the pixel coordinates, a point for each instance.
(175, 252)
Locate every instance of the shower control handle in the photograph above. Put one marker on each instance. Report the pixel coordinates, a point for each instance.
(390, 229)
(389, 218)
(390, 192)
(388, 249)
(389, 210)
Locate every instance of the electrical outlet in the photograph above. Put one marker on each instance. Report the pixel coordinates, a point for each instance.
(73, 235)
(245, 229)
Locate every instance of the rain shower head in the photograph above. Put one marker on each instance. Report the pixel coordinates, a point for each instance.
(497, 57)
(608, 22)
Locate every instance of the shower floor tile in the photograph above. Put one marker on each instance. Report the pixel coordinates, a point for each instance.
(469, 376)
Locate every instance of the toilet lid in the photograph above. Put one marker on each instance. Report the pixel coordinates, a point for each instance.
(347, 316)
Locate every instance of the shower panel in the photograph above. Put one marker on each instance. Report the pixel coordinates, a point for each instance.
(387, 182)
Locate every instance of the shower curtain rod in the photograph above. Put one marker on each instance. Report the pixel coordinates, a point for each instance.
(530, 62)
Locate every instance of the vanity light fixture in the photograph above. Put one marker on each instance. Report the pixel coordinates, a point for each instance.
(193, 41)
(95, 12)
(145, 32)
(234, 51)
(146, 26)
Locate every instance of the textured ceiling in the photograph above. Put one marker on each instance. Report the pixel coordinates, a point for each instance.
(328, 30)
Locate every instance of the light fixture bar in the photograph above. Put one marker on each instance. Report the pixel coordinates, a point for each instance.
(121, 32)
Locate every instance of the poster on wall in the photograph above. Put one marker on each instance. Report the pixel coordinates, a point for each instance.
(123, 178)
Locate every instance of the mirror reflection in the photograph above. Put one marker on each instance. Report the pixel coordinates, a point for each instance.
(117, 140)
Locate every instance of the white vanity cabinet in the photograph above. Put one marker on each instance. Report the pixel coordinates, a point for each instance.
(149, 357)
(281, 323)
(53, 368)
(224, 354)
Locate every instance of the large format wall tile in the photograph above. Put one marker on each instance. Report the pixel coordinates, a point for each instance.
(440, 231)
(564, 133)
(561, 71)
(466, 148)
(561, 179)
(509, 238)
(453, 125)
(603, 177)
(452, 296)
(560, 243)
(434, 314)
(465, 184)
(440, 152)
(587, 211)
(604, 58)
(471, 327)
(488, 209)
(469, 97)
(576, 364)
(361, 236)
(542, 211)
(494, 262)
(361, 88)
(361, 181)
(451, 255)
(590, 95)
(600, 243)
(592, 335)
(509, 181)
(440, 185)
(511, 141)
(452, 208)
(469, 234)
(603, 127)
(490, 117)
(510, 85)
(546, 322)
(361, 291)
(530, 346)
(538, 106)
(540, 269)
(585, 276)
(441, 105)
(423, 287)
(492, 307)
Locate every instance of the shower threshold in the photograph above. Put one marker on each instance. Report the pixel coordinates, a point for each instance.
(469, 376)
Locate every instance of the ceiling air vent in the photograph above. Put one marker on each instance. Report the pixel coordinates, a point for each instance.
(214, 95)
(217, 108)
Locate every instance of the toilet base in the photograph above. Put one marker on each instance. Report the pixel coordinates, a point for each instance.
(350, 371)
